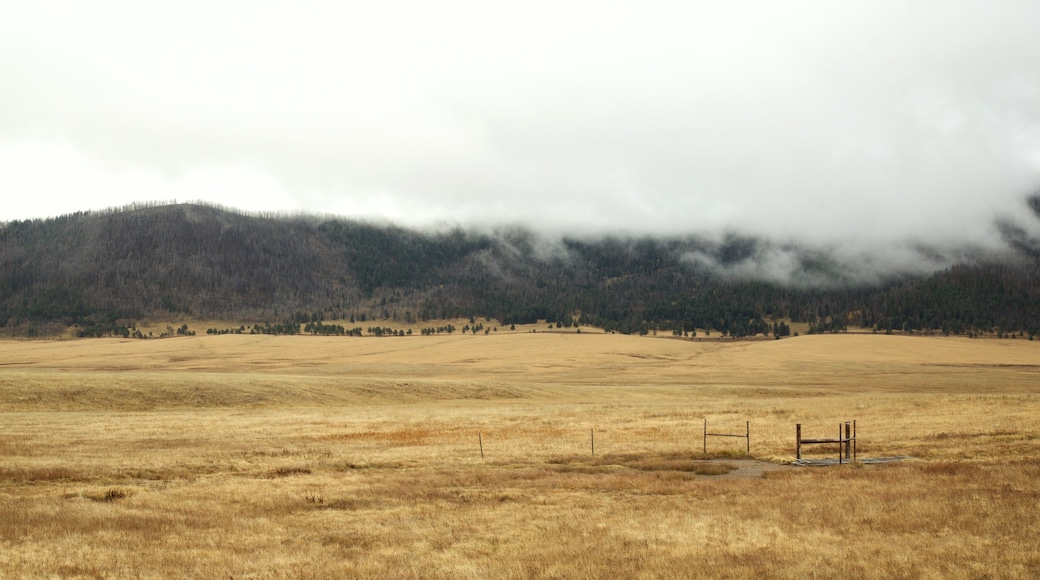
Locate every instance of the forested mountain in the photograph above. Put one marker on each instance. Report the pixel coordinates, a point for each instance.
(102, 268)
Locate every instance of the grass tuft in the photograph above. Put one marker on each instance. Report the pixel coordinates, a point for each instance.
(289, 471)
(109, 495)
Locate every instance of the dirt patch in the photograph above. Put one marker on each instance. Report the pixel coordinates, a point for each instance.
(864, 461)
(725, 468)
(753, 468)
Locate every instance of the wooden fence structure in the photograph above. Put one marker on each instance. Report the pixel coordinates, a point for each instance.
(746, 435)
(846, 443)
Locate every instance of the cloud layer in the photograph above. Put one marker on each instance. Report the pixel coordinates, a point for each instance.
(807, 122)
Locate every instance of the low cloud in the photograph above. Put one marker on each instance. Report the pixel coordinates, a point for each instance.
(792, 138)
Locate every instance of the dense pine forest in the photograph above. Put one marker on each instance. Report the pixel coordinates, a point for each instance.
(100, 271)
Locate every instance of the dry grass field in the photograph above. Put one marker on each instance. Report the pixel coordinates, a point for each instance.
(244, 456)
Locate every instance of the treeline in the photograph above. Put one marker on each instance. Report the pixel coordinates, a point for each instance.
(125, 331)
(98, 271)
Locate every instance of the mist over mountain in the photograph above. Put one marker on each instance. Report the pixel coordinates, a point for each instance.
(887, 135)
(104, 269)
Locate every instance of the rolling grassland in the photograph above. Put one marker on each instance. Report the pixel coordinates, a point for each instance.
(262, 456)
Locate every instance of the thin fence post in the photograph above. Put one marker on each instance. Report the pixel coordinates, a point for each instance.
(798, 440)
(747, 434)
(481, 441)
(848, 440)
(592, 433)
(705, 435)
(854, 440)
(839, 443)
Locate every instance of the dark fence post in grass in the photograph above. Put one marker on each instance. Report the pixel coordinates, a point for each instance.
(481, 441)
(592, 434)
(747, 433)
(705, 435)
(798, 441)
(848, 440)
(839, 444)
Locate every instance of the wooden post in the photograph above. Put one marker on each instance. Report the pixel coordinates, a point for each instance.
(705, 435)
(592, 432)
(853, 439)
(747, 434)
(839, 443)
(848, 440)
(798, 440)
(481, 441)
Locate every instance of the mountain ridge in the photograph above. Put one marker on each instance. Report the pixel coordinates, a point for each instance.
(200, 260)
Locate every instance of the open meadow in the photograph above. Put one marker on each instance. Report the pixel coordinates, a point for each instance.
(241, 456)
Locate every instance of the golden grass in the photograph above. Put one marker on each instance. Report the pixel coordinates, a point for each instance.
(261, 456)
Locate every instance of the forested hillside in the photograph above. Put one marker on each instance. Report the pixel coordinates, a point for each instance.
(101, 269)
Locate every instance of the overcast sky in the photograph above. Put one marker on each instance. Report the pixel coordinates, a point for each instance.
(825, 121)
